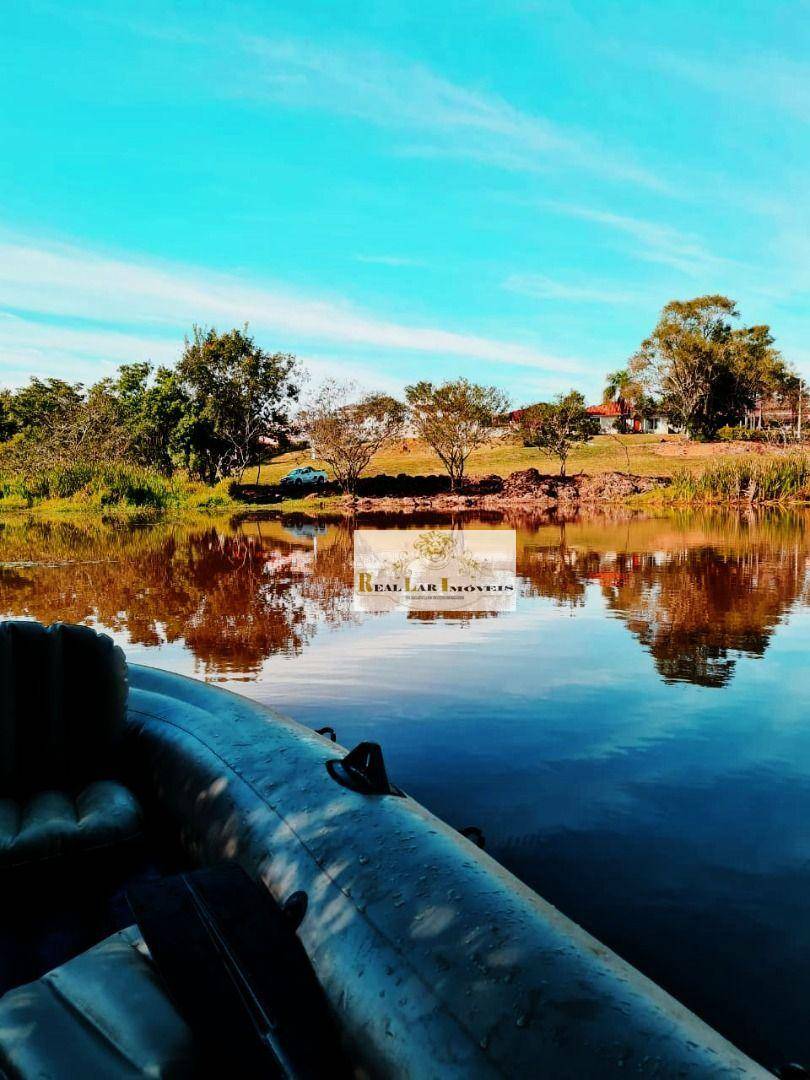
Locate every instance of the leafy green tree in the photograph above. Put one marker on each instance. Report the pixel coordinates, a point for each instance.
(705, 371)
(347, 434)
(162, 416)
(42, 403)
(8, 425)
(150, 406)
(238, 397)
(454, 419)
(556, 427)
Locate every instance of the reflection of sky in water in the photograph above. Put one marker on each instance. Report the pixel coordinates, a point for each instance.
(669, 817)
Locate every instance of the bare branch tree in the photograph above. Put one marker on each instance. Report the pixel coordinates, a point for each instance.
(347, 434)
(454, 419)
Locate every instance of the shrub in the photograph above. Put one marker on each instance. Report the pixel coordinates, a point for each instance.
(776, 435)
(744, 434)
(200, 497)
(102, 485)
(130, 485)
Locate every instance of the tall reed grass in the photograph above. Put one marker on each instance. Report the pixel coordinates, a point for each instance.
(781, 479)
(107, 486)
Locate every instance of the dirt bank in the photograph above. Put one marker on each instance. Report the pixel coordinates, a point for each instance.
(527, 490)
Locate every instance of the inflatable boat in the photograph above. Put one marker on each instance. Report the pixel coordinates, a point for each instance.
(433, 959)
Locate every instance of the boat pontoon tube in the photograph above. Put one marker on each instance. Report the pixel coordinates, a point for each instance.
(436, 960)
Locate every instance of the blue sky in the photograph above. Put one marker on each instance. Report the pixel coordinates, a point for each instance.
(506, 190)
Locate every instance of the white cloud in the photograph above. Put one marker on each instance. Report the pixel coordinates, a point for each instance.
(49, 282)
(380, 89)
(389, 260)
(768, 80)
(367, 377)
(28, 347)
(655, 242)
(545, 288)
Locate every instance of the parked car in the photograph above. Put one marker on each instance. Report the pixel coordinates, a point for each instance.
(306, 476)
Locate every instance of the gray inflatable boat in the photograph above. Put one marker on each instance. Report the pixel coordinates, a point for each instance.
(436, 961)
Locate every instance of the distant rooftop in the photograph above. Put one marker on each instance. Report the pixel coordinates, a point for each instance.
(608, 408)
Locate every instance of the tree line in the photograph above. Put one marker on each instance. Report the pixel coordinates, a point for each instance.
(702, 370)
(210, 415)
(228, 404)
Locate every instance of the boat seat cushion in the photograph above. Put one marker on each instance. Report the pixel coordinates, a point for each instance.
(52, 824)
(105, 1013)
(63, 692)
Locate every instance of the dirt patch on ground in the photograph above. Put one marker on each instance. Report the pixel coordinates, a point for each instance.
(695, 451)
(528, 489)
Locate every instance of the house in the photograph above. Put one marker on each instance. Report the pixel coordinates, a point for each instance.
(611, 413)
(775, 412)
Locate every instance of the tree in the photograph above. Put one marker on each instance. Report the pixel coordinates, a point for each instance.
(8, 425)
(83, 430)
(347, 434)
(161, 419)
(239, 398)
(43, 403)
(558, 426)
(627, 391)
(454, 419)
(704, 371)
(151, 406)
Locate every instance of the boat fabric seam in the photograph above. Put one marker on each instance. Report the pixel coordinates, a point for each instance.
(90, 1022)
(66, 855)
(363, 914)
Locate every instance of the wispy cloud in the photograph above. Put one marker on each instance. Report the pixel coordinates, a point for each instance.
(540, 287)
(766, 79)
(55, 281)
(384, 90)
(29, 347)
(389, 260)
(655, 242)
(344, 368)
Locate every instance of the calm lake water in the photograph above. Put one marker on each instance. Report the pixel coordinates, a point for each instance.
(634, 740)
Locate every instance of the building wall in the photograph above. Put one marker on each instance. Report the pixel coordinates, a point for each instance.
(657, 425)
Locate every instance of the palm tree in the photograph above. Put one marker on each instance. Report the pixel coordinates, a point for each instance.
(621, 388)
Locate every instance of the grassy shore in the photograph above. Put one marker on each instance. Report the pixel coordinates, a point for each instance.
(111, 489)
(700, 473)
(645, 455)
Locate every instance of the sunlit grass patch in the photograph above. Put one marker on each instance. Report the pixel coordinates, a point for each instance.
(779, 479)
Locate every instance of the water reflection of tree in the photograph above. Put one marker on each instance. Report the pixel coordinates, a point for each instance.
(556, 572)
(717, 587)
(234, 599)
(553, 569)
(236, 593)
(696, 608)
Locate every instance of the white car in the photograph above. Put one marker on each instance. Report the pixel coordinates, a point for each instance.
(306, 476)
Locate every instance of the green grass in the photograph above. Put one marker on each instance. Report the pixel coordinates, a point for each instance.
(628, 453)
(606, 453)
(719, 472)
(785, 479)
(109, 488)
(700, 473)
